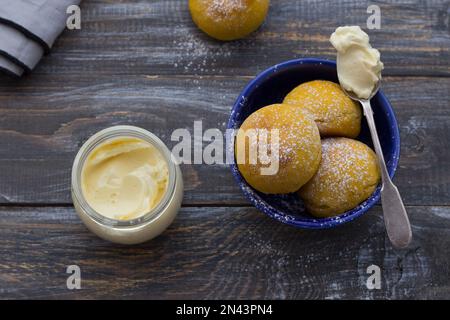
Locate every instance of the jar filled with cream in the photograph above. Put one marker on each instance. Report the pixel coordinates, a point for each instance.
(126, 187)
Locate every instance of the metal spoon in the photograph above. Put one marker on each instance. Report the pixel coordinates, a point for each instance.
(396, 219)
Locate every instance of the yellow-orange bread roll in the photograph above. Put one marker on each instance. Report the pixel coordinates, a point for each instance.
(228, 19)
(299, 148)
(348, 174)
(334, 112)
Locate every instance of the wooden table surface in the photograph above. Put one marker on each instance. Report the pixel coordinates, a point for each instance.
(144, 63)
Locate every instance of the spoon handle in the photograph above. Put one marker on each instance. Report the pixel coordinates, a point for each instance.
(395, 217)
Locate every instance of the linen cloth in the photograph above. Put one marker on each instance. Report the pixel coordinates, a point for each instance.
(28, 29)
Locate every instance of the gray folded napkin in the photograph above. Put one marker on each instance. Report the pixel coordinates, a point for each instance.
(28, 29)
(18, 48)
(10, 68)
(43, 20)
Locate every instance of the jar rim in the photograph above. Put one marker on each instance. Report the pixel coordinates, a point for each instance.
(112, 133)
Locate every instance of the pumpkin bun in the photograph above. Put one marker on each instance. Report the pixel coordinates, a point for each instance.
(228, 19)
(297, 151)
(334, 112)
(348, 175)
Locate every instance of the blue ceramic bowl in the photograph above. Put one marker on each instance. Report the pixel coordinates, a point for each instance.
(271, 86)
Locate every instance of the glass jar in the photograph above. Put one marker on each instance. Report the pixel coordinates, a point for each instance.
(142, 228)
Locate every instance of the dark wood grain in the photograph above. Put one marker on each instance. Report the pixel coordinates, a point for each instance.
(143, 62)
(158, 37)
(42, 128)
(223, 253)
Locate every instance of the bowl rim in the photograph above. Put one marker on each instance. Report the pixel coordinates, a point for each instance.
(308, 223)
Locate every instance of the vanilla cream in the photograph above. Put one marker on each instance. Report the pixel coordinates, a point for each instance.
(358, 64)
(124, 178)
(126, 188)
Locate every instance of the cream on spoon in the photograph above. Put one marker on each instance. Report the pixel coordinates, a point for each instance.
(359, 65)
(359, 71)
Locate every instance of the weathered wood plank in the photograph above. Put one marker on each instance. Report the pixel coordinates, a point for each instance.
(145, 63)
(44, 121)
(223, 253)
(158, 37)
